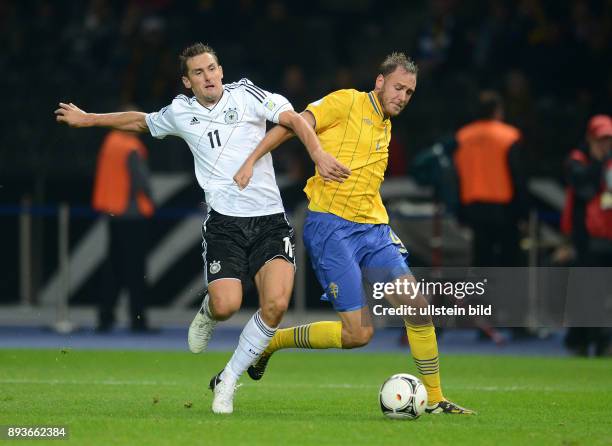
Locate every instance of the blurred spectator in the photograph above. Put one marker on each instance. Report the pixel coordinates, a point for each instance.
(294, 86)
(343, 79)
(122, 191)
(434, 167)
(151, 74)
(519, 104)
(441, 40)
(492, 187)
(541, 49)
(496, 34)
(587, 219)
(97, 50)
(279, 37)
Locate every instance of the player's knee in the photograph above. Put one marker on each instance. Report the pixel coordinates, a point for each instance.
(272, 310)
(223, 309)
(420, 317)
(357, 337)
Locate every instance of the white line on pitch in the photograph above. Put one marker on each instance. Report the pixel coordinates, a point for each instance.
(112, 382)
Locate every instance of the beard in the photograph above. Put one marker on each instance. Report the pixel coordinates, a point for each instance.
(210, 96)
(388, 108)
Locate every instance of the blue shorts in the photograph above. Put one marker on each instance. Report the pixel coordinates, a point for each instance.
(344, 253)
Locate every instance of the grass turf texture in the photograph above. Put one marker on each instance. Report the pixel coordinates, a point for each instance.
(313, 398)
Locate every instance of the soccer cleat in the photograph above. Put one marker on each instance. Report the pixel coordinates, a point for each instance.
(257, 370)
(200, 330)
(223, 400)
(446, 406)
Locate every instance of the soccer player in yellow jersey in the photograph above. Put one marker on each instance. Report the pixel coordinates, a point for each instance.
(346, 231)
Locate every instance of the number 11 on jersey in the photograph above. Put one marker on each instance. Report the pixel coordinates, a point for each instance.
(212, 141)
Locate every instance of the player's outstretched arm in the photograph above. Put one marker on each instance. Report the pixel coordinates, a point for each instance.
(292, 124)
(72, 115)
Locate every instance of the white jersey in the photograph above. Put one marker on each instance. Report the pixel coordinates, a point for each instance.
(221, 138)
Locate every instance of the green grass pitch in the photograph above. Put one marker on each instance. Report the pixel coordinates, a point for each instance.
(161, 398)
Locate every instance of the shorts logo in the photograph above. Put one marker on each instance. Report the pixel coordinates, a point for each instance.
(215, 267)
(231, 116)
(396, 241)
(333, 290)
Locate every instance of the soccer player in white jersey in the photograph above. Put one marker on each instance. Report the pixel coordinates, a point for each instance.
(246, 234)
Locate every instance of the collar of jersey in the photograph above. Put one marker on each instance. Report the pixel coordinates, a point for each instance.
(376, 104)
(214, 106)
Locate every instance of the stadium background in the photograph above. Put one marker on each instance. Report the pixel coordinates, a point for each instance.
(549, 59)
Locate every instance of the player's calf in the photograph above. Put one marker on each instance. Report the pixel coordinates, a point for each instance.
(274, 283)
(356, 336)
(274, 308)
(357, 329)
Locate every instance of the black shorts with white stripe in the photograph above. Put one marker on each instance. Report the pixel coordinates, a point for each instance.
(237, 247)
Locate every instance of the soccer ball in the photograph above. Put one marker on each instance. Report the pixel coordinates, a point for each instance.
(403, 397)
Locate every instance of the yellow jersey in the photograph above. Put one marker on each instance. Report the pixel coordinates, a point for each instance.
(351, 127)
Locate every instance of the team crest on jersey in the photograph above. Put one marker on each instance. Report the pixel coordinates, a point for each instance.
(215, 266)
(333, 290)
(269, 104)
(231, 116)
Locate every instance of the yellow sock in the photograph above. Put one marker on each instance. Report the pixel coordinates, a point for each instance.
(316, 335)
(424, 348)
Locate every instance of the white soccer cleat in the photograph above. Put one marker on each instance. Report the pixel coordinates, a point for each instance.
(223, 391)
(200, 330)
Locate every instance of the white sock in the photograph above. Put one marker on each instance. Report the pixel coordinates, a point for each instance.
(254, 339)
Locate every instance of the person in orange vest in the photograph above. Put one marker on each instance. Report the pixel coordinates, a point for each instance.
(587, 218)
(492, 186)
(122, 191)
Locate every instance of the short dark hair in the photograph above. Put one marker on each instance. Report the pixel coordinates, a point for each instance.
(489, 102)
(195, 50)
(394, 60)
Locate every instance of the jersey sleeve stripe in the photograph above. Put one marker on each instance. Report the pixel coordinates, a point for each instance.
(247, 82)
(257, 88)
(260, 94)
(255, 95)
(248, 86)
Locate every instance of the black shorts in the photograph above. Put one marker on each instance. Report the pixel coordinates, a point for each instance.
(237, 247)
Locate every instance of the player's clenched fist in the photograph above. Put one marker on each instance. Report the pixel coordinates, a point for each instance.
(243, 176)
(71, 114)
